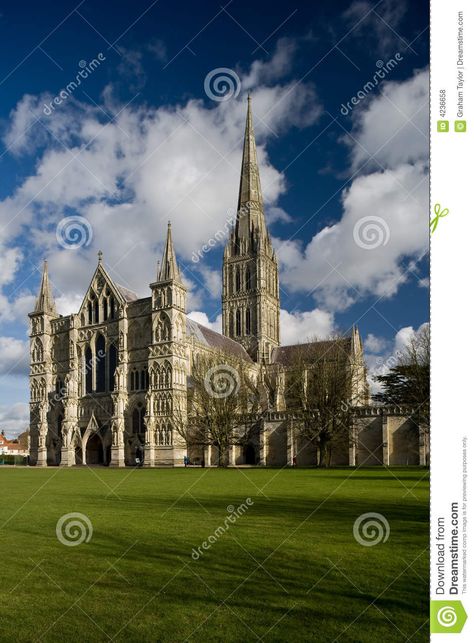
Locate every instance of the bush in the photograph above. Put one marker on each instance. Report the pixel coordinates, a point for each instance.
(13, 459)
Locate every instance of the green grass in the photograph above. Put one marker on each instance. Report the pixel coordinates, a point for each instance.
(288, 569)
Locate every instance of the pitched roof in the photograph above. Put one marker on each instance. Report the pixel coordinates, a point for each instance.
(328, 349)
(212, 339)
(127, 294)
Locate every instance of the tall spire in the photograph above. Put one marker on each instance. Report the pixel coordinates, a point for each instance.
(169, 266)
(45, 301)
(250, 206)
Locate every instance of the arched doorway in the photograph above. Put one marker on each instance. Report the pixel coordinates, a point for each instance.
(249, 454)
(78, 455)
(94, 450)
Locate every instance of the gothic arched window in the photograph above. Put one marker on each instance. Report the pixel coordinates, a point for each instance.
(112, 366)
(248, 279)
(104, 309)
(238, 323)
(247, 321)
(237, 279)
(138, 421)
(88, 369)
(100, 364)
(89, 313)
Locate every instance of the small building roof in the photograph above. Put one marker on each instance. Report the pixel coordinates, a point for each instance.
(328, 349)
(213, 339)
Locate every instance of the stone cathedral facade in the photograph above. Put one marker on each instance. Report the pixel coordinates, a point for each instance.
(107, 383)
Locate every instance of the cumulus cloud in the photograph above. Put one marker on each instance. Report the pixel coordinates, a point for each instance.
(375, 344)
(14, 419)
(382, 355)
(383, 222)
(14, 356)
(393, 129)
(203, 319)
(264, 72)
(299, 327)
(128, 176)
(384, 208)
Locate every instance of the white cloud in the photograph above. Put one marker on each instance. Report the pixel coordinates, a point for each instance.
(374, 344)
(384, 217)
(264, 72)
(130, 175)
(393, 128)
(203, 319)
(405, 336)
(340, 270)
(14, 356)
(305, 326)
(382, 355)
(14, 419)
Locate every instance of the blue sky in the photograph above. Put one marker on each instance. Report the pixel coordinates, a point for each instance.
(140, 141)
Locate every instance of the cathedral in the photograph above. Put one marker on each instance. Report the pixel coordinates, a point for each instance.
(107, 383)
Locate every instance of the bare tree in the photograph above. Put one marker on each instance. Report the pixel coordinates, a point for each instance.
(321, 382)
(222, 402)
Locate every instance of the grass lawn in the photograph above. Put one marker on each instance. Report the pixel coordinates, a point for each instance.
(288, 569)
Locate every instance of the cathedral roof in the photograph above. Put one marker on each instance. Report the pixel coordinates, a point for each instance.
(127, 294)
(212, 339)
(328, 349)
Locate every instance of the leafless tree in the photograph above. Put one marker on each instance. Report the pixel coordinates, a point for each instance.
(221, 404)
(320, 389)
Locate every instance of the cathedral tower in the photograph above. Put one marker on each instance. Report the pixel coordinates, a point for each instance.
(250, 293)
(41, 371)
(167, 365)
